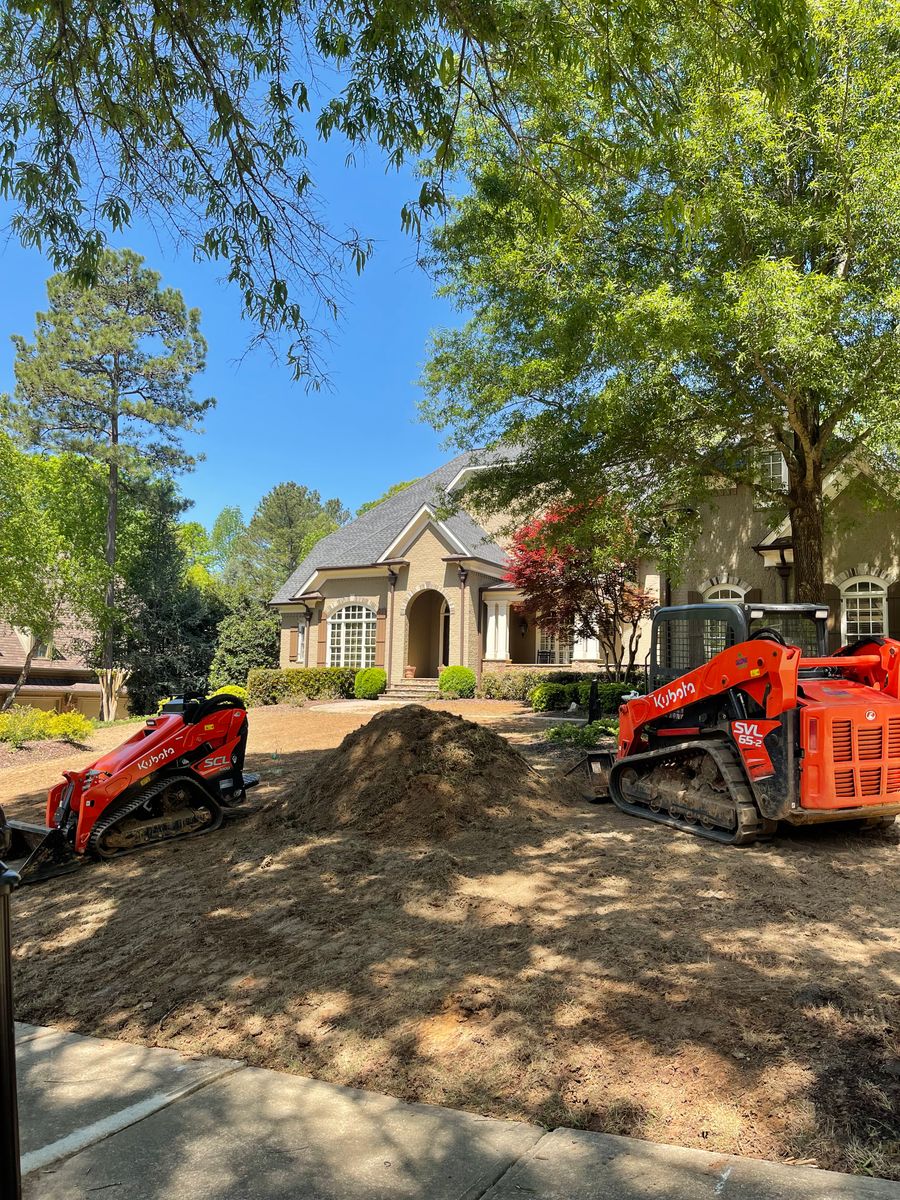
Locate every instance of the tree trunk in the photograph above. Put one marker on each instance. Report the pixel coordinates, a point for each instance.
(808, 536)
(112, 519)
(23, 675)
(111, 683)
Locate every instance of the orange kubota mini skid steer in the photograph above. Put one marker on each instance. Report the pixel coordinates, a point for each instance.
(749, 721)
(178, 776)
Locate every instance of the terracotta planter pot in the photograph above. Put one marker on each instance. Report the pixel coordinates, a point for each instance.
(409, 672)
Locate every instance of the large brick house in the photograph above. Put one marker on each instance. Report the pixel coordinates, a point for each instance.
(58, 679)
(404, 587)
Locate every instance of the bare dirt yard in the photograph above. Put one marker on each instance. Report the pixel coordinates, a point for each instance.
(543, 959)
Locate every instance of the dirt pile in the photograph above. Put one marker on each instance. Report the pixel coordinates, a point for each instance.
(414, 774)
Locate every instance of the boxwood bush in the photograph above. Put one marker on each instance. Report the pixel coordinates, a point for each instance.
(370, 682)
(232, 689)
(609, 695)
(294, 684)
(457, 683)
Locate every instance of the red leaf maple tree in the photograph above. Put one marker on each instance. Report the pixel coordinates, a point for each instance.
(577, 579)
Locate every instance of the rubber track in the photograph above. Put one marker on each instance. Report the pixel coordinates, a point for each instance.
(118, 813)
(748, 826)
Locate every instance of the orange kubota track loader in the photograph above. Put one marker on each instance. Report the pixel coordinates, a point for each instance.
(178, 776)
(749, 721)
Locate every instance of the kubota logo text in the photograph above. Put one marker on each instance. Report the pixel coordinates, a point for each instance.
(674, 695)
(146, 763)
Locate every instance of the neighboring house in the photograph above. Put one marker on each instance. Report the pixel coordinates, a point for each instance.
(402, 586)
(58, 678)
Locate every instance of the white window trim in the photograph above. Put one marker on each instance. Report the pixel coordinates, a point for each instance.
(768, 453)
(328, 627)
(846, 587)
(709, 596)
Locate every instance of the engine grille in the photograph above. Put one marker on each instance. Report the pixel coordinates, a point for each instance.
(866, 758)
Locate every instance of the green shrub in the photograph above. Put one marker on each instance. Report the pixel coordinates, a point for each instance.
(457, 683)
(370, 682)
(509, 685)
(550, 697)
(582, 735)
(23, 724)
(294, 684)
(609, 695)
(69, 726)
(232, 689)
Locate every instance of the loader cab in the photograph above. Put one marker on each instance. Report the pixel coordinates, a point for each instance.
(685, 636)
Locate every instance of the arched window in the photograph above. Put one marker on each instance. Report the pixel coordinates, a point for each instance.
(725, 591)
(351, 636)
(863, 608)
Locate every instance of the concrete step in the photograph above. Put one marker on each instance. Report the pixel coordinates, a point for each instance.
(413, 689)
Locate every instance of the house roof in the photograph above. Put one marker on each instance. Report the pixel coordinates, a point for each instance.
(367, 539)
(67, 641)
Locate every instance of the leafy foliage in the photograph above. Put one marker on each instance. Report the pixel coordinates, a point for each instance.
(233, 689)
(247, 637)
(108, 378)
(370, 682)
(393, 490)
(201, 121)
(697, 273)
(297, 684)
(576, 584)
(582, 735)
(548, 697)
(23, 724)
(457, 683)
(168, 630)
(287, 523)
(51, 538)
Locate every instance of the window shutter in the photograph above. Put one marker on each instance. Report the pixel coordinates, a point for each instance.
(380, 626)
(754, 596)
(323, 633)
(694, 598)
(293, 643)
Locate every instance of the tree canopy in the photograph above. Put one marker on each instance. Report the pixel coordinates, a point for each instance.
(685, 284)
(391, 491)
(287, 523)
(202, 120)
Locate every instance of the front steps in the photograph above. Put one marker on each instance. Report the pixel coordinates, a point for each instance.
(412, 690)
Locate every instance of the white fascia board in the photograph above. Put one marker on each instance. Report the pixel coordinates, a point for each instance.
(833, 486)
(414, 527)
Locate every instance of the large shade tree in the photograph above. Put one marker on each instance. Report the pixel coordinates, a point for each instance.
(688, 284)
(52, 569)
(201, 119)
(109, 378)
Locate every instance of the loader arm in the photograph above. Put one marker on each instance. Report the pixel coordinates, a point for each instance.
(765, 670)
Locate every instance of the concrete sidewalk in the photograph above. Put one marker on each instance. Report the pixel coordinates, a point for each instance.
(132, 1123)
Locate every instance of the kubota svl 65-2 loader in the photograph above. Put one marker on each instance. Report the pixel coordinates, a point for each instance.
(749, 721)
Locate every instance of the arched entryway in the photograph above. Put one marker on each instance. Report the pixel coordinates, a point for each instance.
(428, 634)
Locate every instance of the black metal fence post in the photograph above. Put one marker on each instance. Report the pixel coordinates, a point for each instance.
(10, 1174)
(593, 704)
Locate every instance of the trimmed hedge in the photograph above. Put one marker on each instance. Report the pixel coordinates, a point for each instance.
(553, 697)
(370, 682)
(457, 683)
(273, 686)
(609, 696)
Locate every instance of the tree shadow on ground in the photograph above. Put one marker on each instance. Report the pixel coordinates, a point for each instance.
(586, 970)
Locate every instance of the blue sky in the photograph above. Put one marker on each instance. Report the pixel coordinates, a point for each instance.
(352, 441)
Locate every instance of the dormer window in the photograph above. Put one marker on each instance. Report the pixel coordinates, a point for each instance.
(771, 470)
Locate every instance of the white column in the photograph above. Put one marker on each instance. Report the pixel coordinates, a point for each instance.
(586, 648)
(498, 630)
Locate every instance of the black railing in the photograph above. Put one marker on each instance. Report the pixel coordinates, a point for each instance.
(10, 1172)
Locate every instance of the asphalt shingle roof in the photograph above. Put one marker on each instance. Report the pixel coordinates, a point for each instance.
(365, 539)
